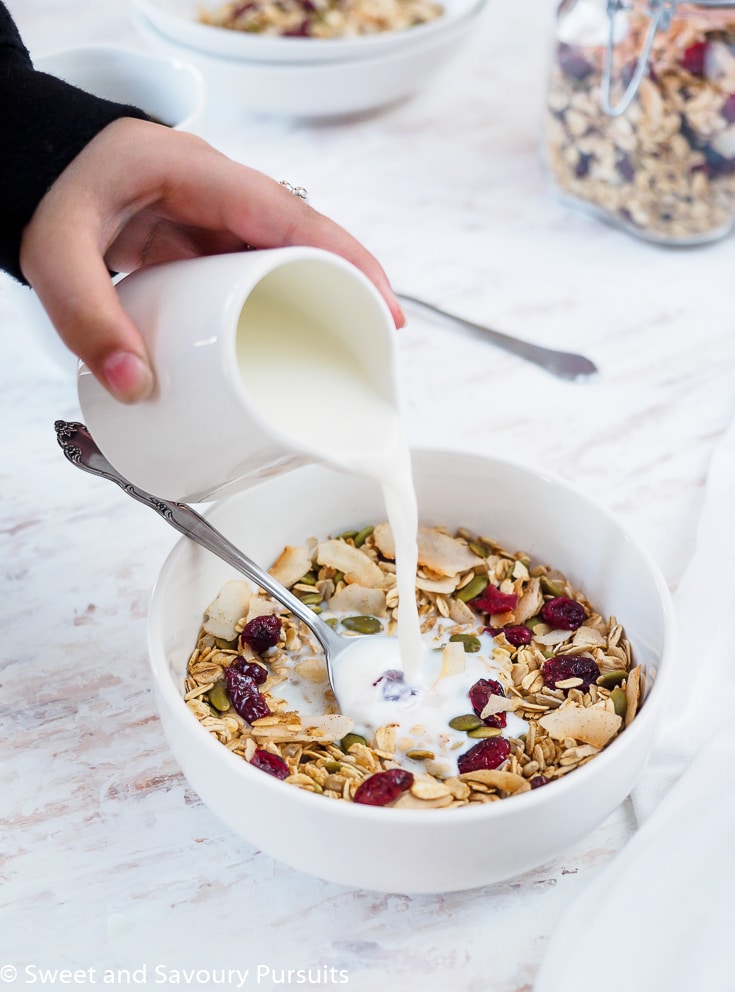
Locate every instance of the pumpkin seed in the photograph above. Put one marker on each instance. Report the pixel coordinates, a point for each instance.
(332, 766)
(480, 549)
(549, 586)
(349, 739)
(618, 700)
(225, 645)
(347, 534)
(309, 579)
(468, 721)
(471, 643)
(610, 679)
(218, 696)
(419, 755)
(332, 622)
(485, 732)
(362, 536)
(363, 625)
(473, 588)
(311, 599)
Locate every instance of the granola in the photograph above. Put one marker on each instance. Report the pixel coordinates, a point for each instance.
(665, 168)
(565, 675)
(321, 18)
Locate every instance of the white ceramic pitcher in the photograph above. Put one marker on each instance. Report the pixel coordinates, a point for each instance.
(212, 426)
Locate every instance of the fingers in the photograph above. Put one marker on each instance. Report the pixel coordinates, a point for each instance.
(262, 213)
(75, 288)
(286, 223)
(144, 193)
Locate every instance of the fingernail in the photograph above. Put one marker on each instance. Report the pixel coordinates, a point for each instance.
(127, 376)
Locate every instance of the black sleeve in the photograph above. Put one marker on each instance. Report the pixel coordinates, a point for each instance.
(44, 124)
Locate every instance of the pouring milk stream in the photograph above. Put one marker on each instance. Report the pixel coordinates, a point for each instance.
(283, 368)
(283, 371)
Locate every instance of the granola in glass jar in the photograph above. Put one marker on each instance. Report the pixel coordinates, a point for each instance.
(640, 121)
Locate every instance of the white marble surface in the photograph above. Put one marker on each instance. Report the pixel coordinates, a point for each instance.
(109, 860)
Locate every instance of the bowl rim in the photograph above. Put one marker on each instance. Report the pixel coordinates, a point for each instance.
(176, 21)
(572, 783)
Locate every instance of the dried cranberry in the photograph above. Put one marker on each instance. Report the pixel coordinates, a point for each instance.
(262, 633)
(480, 692)
(383, 787)
(563, 613)
(694, 57)
(625, 168)
(492, 600)
(394, 686)
(728, 109)
(517, 635)
(489, 753)
(271, 763)
(251, 669)
(570, 666)
(538, 780)
(573, 64)
(246, 699)
(582, 168)
(716, 164)
(301, 31)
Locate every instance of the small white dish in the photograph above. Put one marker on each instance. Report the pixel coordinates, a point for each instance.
(177, 19)
(167, 88)
(416, 851)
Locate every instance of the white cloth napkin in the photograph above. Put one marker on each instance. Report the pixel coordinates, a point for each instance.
(661, 914)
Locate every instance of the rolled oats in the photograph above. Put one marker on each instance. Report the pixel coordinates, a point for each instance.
(569, 719)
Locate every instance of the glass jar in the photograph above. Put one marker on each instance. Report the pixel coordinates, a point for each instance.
(640, 122)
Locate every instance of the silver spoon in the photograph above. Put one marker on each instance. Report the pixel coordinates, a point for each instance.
(80, 448)
(565, 364)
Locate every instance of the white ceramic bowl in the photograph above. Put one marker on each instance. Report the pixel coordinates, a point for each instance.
(369, 79)
(177, 19)
(166, 87)
(405, 850)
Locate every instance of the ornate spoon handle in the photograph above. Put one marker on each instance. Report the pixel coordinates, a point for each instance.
(81, 450)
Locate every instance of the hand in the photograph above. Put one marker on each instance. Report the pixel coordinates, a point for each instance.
(140, 193)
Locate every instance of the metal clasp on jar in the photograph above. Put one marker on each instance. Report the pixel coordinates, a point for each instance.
(661, 12)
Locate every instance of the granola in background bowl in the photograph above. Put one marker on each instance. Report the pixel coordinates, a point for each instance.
(320, 18)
